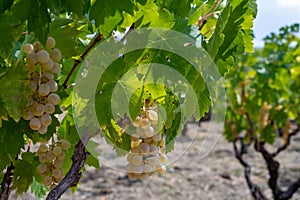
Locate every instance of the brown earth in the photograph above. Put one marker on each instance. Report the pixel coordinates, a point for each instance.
(217, 176)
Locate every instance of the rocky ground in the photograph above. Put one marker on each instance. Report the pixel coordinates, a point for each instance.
(195, 175)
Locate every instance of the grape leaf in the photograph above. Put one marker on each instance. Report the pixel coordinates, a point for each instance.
(24, 172)
(15, 89)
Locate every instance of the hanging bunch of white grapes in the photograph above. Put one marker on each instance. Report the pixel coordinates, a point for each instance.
(51, 157)
(43, 65)
(147, 154)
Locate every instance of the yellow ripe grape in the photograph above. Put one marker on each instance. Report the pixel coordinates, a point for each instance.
(133, 138)
(148, 168)
(53, 85)
(57, 151)
(135, 150)
(144, 176)
(65, 145)
(137, 121)
(147, 140)
(140, 132)
(35, 124)
(43, 147)
(137, 159)
(50, 156)
(33, 85)
(153, 161)
(160, 168)
(61, 156)
(153, 115)
(163, 158)
(149, 132)
(54, 99)
(48, 75)
(43, 130)
(30, 67)
(58, 163)
(137, 169)
(44, 89)
(49, 108)
(27, 114)
(31, 58)
(55, 55)
(129, 157)
(57, 173)
(48, 65)
(46, 119)
(27, 48)
(56, 68)
(135, 144)
(43, 158)
(42, 168)
(153, 149)
(50, 43)
(37, 109)
(145, 123)
(157, 137)
(144, 148)
(128, 168)
(42, 56)
(47, 180)
(132, 176)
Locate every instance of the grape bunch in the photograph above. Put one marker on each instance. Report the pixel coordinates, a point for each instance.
(51, 158)
(43, 65)
(147, 154)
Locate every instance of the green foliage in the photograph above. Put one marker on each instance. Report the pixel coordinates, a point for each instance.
(270, 75)
(74, 24)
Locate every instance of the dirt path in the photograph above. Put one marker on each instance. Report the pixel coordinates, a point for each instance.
(217, 176)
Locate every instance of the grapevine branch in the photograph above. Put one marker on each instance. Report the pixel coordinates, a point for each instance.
(97, 39)
(73, 176)
(6, 182)
(254, 189)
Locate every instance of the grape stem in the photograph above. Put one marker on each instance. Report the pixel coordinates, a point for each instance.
(74, 174)
(6, 182)
(97, 39)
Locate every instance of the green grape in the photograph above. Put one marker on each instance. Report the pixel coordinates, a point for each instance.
(132, 177)
(140, 132)
(27, 114)
(61, 156)
(163, 158)
(58, 163)
(44, 89)
(148, 168)
(31, 59)
(137, 122)
(43, 130)
(54, 99)
(46, 119)
(153, 149)
(153, 115)
(49, 108)
(33, 85)
(55, 55)
(50, 43)
(42, 56)
(43, 158)
(137, 169)
(48, 65)
(153, 161)
(57, 151)
(30, 67)
(134, 138)
(135, 144)
(149, 132)
(57, 173)
(145, 123)
(56, 68)
(35, 124)
(137, 159)
(129, 157)
(27, 48)
(37, 109)
(42, 168)
(47, 180)
(53, 85)
(50, 156)
(43, 147)
(48, 75)
(144, 148)
(148, 140)
(65, 145)
(157, 137)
